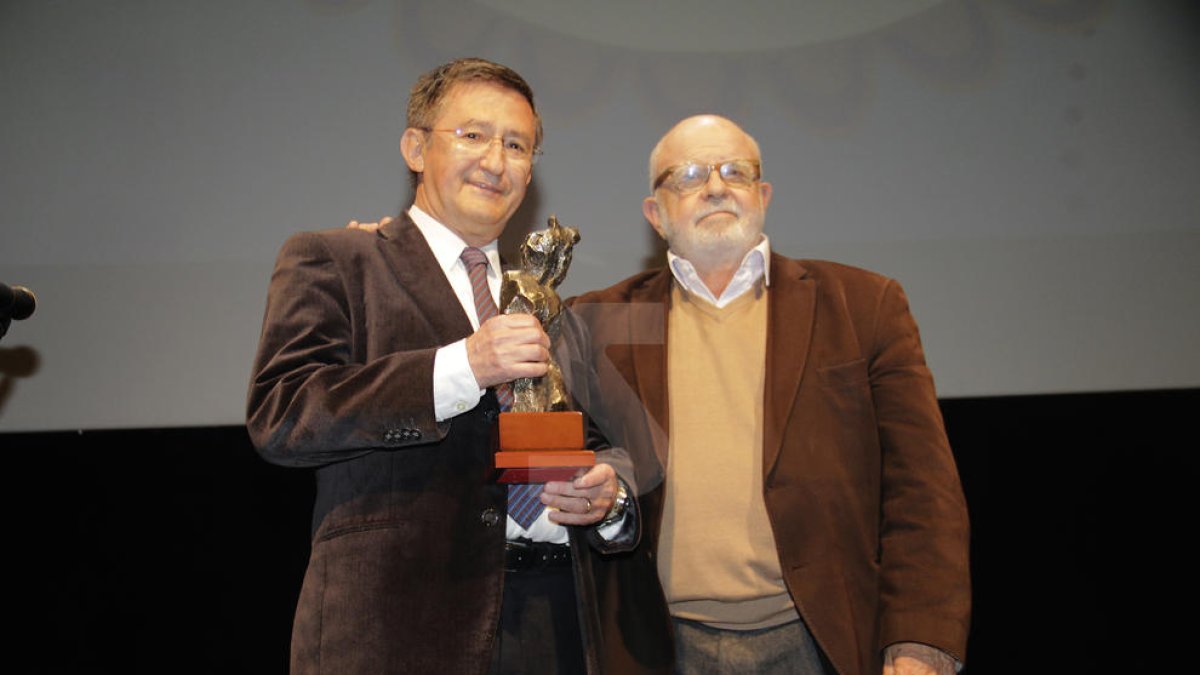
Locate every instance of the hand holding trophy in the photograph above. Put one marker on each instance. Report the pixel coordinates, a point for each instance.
(541, 439)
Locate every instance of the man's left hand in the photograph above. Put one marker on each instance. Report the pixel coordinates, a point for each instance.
(914, 658)
(583, 501)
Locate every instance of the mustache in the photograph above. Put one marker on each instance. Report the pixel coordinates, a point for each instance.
(724, 206)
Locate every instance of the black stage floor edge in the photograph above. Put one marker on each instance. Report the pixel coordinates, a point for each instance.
(180, 551)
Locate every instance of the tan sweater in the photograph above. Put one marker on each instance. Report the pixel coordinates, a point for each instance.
(716, 553)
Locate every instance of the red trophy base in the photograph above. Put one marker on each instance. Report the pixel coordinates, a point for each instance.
(536, 447)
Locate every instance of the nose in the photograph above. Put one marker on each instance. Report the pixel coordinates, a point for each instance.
(715, 187)
(493, 157)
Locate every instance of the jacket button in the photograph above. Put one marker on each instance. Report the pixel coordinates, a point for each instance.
(490, 517)
(490, 415)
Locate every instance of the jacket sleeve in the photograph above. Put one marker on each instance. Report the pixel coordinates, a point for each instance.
(925, 582)
(570, 351)
(630, 533)
(315, 396)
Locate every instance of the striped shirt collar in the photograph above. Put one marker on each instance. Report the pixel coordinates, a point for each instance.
(448, 246)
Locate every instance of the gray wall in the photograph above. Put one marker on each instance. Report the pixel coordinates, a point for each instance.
(1026, 169)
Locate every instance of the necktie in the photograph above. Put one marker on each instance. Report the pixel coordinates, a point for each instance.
(524, 504)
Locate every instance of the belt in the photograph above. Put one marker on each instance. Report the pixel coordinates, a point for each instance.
(525, 555)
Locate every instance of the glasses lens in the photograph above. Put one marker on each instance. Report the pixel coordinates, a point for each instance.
(478, 141)
(739, 172)
(517, 149)
(692, 176)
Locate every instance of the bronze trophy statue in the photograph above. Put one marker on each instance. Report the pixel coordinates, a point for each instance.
(541, 438)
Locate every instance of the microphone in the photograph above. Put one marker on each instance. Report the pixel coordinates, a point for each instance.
(16, 302)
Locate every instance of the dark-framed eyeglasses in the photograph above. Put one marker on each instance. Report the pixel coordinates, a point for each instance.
(477, 140)
(691, 176)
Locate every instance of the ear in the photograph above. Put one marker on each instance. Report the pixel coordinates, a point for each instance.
(412, 146)
(650, 210)
(764, 191)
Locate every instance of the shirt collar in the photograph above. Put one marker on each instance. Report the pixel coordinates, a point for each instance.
(756, 264)
(447, 246)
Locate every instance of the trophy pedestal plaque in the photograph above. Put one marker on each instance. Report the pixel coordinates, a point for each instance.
(536, 447)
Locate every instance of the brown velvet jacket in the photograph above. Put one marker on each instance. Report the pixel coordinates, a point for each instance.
(859, 481)
(406, 570)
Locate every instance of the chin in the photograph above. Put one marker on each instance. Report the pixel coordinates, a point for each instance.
(740, 236)
(712, 241)
(491, 217)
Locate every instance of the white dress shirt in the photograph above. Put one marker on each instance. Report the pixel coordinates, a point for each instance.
(756, 264)
(455, 390)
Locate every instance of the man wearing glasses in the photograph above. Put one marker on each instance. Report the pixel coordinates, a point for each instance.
(383, 364)
(810, 518)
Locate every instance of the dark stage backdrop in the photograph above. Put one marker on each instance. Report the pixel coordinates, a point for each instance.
(180, 551)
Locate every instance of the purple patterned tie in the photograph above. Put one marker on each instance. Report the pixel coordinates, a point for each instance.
(524, 504)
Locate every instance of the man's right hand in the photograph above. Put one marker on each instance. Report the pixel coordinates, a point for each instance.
(506, 347)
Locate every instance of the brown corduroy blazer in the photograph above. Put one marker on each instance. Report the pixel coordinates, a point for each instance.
(860, 484)
(406, 570)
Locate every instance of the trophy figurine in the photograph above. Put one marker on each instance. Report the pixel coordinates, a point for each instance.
(541, 438)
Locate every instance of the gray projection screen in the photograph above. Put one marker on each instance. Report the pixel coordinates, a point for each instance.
(1027, 170)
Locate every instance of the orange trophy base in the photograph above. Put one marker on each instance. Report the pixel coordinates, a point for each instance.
(536, 447)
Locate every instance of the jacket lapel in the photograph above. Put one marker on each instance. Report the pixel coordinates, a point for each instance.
(790, 316)
(412, 261)
(648, 342)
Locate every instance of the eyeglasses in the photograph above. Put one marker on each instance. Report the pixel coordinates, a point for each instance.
(690, 177)
(475, 140)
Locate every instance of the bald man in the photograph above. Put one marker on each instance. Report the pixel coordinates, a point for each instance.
(809, 517)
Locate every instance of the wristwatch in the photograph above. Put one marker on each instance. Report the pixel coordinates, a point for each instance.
(620, 503)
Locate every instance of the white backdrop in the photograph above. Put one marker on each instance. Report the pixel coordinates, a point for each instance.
(1027, 169)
